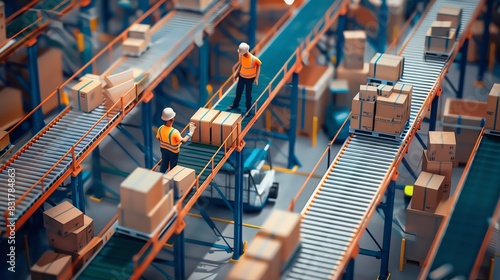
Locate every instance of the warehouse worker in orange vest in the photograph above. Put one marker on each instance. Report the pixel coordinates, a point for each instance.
(247, 73)
(170, 140)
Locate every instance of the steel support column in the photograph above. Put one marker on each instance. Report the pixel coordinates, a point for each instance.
(388, 208)
(382, 27)
(292, 132)
(484, 49)
(433, 116)
(339, 47)
(238, 206)
(37, 118)
(104, 16)
(77, 192)
(203, 66)
(179, 269)
(463, 64)
(252, 24)
(97, 186)
(85, 46)
(144, 7)
(349, 271)
(147, 124)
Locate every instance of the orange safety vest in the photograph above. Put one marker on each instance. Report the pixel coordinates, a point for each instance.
(165, 134)
(249, 64)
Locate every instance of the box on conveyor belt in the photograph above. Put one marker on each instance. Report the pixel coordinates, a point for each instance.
(364, 108)
(427, 192)
(203, 119)
(118, 78)
(52, 266)
(141, 190)
(63, 218)
(146, 222)
(85, 254)
(354, 78)
(394, 106)
(442, 44)
(441, 28)
(384, 90)
(404, 89)
(450, 13)
(388, 125)
(75, 240)
(492, 114)
(86, 95)
(251, 269)
(355, 41)
(267, 250)
(353, 61)
(386, 67)
(226, 125)
(465, 118)
(180, 178)
(367, 93)
(196, 5)
(134, 46)
(10, 112)
(4, 139)
(114, 94)
(441, 146)
(444, 168)
(87, 77)
(426, 224)
(140, 31)
(361, 122)
(285, 227)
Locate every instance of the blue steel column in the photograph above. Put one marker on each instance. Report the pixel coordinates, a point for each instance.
(433, 116)
(97, 187)
(104, 16)
(147, 124)
(340, 38)
(203, 51)
(84, 26)
(252, 24)
(238, 206)
(37, 117)
(292, 132)
(349, 271)
(77, 192)
(484, 50)
(382, 27)
(388, 208)
(144, 7)
(463, 64)
(180, 268)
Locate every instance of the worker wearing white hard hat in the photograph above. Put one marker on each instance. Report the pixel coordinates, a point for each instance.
(171, 140)
(247, 73)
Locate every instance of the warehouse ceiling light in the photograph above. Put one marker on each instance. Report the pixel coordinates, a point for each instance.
(289, 2)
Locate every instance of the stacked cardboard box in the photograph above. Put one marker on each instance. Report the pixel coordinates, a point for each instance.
(203, 119)
(354, 77)
(391, 113)
(441, 146)
(86, 95)
(143, 201)
(52, 266)
(440, 37)
(4, 139)
(407, 90)
(10, 112)
(492, 114)
(138, 40)
(195, 5)
(226, 127)
(444, 168)
(452, 14)
(63, 219)
(179, 179)
(354, 49)
(75, 240)
(363, 108)
(465, 118)
(386, 67)
(117, 86)
(427, 192)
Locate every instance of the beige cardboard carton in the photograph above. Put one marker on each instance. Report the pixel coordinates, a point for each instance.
(4, 139)
(196, 5)
(364, 108)
(10, 112)
(251, 269)
(394, 106)
(87, 77)
(354, 77)
(441, 28)
(450, 13)
(492, 112)
(354, 61)
(141, 190)
(180, 178)
(440, 44)
(52, 266)
(427, 192)
(384, 90)
(125, 90)
(361, 122)
(140, 31)
(386, 67)
(225, 125)
(146, 223)
(389, 125)
(404, 89)
(134, 46)
(203, 119)
(441, 146)
(75, 240)
(85, 254)
(267, 250)
(367, 93)
(119, 78)
(86, 95)
(444, 168)
(63, 218)
(355, 41)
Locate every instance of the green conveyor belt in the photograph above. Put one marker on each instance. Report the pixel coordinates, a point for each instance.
(196, 156)
(475, 206)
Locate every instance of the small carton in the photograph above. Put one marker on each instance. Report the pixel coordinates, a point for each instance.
(404, 89)
(367, 93)
(444, 168)
(75, 240)
(146, 223)
(140, 31)
(141, 190)
(251, 269)
(267, 250)
(85, 254)
(355, 41)
(441, 146)
(180, 179)
(203, 119)
(492, 114)
(63, 218)
(88, 76)
(52, 266)
(119, 78)
(441, 28)
(285, 227)
(86, 95)
(134, 46)
(354, 61)
(386, 67)
(442, 44)
(4, 139)
(364, 108)
(450, 13)
(361, 122)
(226, 126)
(427, 192)
(384, 90)
(392, 126)
(125, 90)
(394, 106)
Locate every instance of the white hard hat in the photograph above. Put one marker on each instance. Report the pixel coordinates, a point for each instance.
(243, 48)
(167, 114)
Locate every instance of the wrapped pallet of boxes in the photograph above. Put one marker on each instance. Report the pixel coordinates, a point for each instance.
(441, 146)
(465, 118)
(452, 14)
(391, 113)
(266, 250)
(427, 192)
(85, 254)
(4, 139)
(203, 119)
(492, 112)
(75, 240)
(386, 67)
(179, 179)
(444, 168)
(10, 112)
(86, 95)
(354, 49)
(440, 44)
(250, 269)
(63, 219)
(362, 114)
(404, 89)
(52, 266)
(354, 77)
(226, 126)
(194, 5)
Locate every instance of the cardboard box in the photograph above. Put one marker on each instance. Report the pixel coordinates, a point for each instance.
(389, 125)
(354, 77)
(4, 139)
(10, 112)
(226, 125)
(384, 90)
(196, 5)
(119, 78)
(75, 240)
(450, 13)
(203, 119)
(140, 31)
(427, 192)
(250, 269)
(386, 67)
(180, 178)
(441, 28)
(87, 77)
(134, 46)
(141, 190)
(355, 41)
(84, 255)
(492, 114)
(86, 95)
(63, 218)
(267, 250)
(284, 227)
(367, 93)
(52, 266)
(440, 44)
(394, 106)
(426, 224)
(364, 108)
(354, 61)
(444, 168)
(441, 146)
(404, 89)
(125, 90)
(362, 122)
(142, 222)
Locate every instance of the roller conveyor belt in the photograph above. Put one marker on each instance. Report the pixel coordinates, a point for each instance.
(475, 205)
(357, 176)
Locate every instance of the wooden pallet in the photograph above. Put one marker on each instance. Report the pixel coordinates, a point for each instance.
(378, 81)
(147, 236)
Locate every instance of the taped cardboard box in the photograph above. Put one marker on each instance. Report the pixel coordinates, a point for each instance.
(384, 90)
(134, 46)
(367, 93)
(180, 178)
(52, 266)
(394, 106)
(99, 78)
(354, 61)
(404, 89)
(285, 227)
(141, 190)
(75, 240)
(195, 5)
(114, 94)
(450, 13)
(86, 95)
(492, 112)
(355, 41)
(251, 269)
(63, 218)
(203, 119)
(85, 254)
(386, 67)
(441, 146)
(364, 108)
(444, 168)
(148, 222)
(4, 139)
(440, 44)
(267, 250)
(140, 31)
(361, 122)
(427, 192)
(354, 77)
(226, 125)
(118, 78)
(441, 28)
(389, 125)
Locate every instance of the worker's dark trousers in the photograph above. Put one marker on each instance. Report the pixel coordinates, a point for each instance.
(168, 159)
(247, 83)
